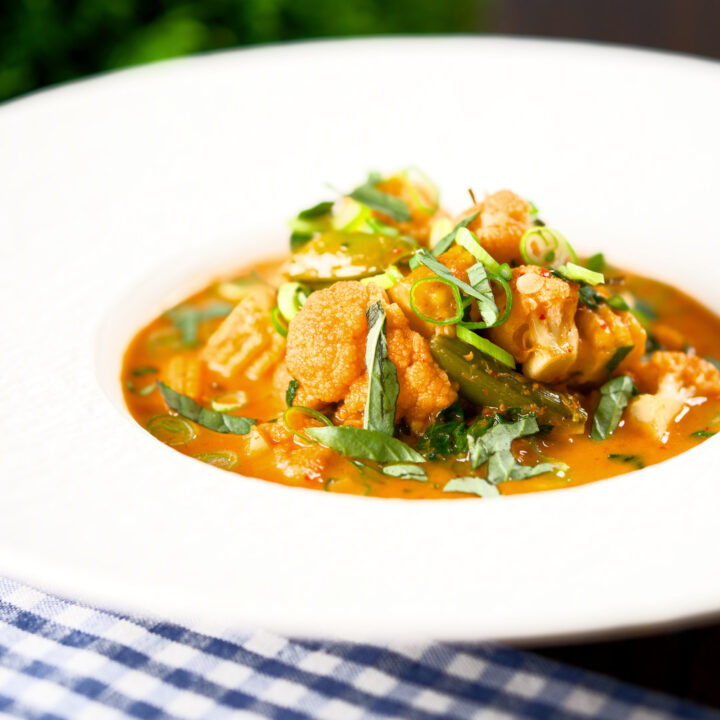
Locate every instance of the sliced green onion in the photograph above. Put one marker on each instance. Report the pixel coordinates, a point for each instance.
(469, 241)
(571, 271)
(291, 297)
(381, 228)
(459, 308)
(225, 459)
(596, 262)
(485, 346)
(303, 411)
(545, 246)
(385, 280)
(432, 263)
(171, 430)
(349, 215)
(417, 178)
(444, 243)
(505, 313)
(278, 322)
(439, 229)
(229, 401)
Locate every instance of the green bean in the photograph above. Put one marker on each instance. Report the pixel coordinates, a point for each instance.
(486, 382)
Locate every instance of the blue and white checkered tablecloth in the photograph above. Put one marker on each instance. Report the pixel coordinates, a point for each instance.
(60, 659)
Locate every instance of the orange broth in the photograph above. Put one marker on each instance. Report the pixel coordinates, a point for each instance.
(677, 313)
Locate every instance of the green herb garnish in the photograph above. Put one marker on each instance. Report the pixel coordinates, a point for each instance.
(405, 471)
(210, 419)
(596, 263)
(620, 354)
(473, 485)
(590, 297)
(316, 211)
(617, 302)
(291, 392)
(615, 395)
(299, 239)
(703, 433)
(145, 370)
(445, 243)
(187, 319)
(634, 460)
(383, 386)
(364, 444)
(367, 194)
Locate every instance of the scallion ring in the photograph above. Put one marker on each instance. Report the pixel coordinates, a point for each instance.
(277, 320)
(304, 411)
(485, 346)
(291, 297)
(503, 283)
(546, 246)
(459, 307)
(225, 459)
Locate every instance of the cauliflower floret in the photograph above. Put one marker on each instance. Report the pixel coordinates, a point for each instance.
(603, 331)
(295, 459)
(540, 332)
(246, 339)
(326, 354)
(669, 380)
(326, 341)
(504, 217)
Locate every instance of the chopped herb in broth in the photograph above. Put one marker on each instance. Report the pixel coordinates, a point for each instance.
(400, 351)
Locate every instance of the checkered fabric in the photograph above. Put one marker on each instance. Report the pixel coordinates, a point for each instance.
(59, 659)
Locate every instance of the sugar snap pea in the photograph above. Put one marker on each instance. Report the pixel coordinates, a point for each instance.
(488, 383)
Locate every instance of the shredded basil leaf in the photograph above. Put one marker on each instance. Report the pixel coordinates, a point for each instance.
(523, 472)
(703, 434)
(187, 319)
(634, 460)
(299, 239)
(291, 392)
(596, 263)
(368, 195)
(406, 471)
(444, 243)
(383, 386)
(617, 302)
(492, 444)
(145, 370)
(474, 485)
(316, 211)
(620, 354)
(615, 395)
(478, 279)
(590, 297)
(210, 419)
(432, 263)
(364, 444)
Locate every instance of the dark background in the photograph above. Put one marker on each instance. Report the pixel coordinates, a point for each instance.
(43, 42)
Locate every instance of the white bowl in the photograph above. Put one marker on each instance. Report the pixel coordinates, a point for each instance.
(118, 195)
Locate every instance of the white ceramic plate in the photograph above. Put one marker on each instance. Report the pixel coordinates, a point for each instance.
(119, 195)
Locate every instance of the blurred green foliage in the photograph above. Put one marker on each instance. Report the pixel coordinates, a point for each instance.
(48, 41)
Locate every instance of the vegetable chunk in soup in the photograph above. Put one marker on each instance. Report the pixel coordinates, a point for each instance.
(402, 352)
